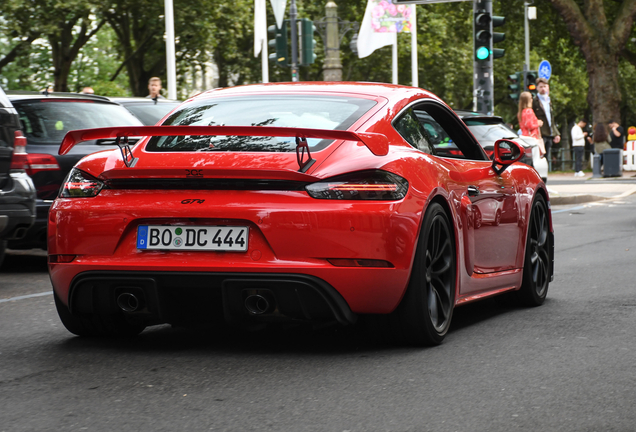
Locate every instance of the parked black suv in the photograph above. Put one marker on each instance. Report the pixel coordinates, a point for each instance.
(45, 119)
(17, 193)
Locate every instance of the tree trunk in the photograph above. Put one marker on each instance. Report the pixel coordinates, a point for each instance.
(601, 41)
(604, 96)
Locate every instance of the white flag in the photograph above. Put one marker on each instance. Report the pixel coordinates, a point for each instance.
(370, 40)
(260, 26)
(279, 11)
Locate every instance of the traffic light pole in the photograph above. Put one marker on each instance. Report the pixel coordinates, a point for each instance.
(293, 13)
(483, 83)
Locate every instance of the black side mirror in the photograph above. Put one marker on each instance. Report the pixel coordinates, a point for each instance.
(506, 153)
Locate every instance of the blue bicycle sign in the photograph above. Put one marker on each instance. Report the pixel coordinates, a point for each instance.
(545, 69)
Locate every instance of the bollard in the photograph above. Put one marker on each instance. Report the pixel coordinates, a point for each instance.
(596, 166)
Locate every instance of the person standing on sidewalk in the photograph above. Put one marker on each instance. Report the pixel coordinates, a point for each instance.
(578, 146)
(617, 135)
(542, 107)
(528, 122)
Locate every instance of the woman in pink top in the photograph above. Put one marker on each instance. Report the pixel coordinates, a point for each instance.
(528, 122)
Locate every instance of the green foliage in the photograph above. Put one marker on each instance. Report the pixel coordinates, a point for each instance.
(222, 32)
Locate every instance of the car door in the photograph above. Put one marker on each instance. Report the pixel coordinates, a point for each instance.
(488, 200)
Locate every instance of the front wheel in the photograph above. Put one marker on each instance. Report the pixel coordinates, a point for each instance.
(536, 266)
(424, 315)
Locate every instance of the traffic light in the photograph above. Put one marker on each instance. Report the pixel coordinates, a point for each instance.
(514, 85)
(482, 35)
(307, 43)
(498, 21)
(530, 82)
(279, 44)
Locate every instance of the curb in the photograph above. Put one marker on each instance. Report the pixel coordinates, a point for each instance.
(583, 198)
(576, 199)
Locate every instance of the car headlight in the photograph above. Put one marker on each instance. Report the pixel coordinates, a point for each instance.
(79, 184)
(364, 185)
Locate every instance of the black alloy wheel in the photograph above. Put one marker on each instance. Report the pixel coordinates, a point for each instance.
(536, 267)
(424, 315)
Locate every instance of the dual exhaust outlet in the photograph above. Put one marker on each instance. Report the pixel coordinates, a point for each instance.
(255, 304)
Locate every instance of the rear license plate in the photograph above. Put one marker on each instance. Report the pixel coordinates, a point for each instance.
(218, 238)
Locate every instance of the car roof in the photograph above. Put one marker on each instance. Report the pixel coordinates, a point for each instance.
(370, 89)
(123, 100)
(16, 95)
(464, 114)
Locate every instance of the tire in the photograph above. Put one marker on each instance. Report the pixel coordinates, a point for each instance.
(96, 325)
(3, 250)
(424, 315)
(536, 265)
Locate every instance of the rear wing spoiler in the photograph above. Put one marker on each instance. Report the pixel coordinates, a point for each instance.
(378, 144)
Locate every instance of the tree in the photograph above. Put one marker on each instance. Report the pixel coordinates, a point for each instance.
(601, 32)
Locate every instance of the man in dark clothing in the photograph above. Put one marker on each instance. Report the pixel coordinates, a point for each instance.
(542, 107)
(617, 135)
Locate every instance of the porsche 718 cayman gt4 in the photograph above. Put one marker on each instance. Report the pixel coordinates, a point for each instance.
(304, 202)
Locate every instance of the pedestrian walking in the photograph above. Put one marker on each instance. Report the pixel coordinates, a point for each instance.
(578, 146)
(528, 122)
(154, 89)
(542, 107)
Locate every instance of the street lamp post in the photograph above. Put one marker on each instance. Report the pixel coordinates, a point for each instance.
(293, 13)
(170, 50)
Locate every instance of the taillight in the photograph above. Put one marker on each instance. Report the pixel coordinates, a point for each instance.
(365, 185)
(19, 160)
(528, 152)
(38, 162)
(78, 184)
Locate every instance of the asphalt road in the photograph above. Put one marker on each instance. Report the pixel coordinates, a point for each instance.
(567, 365)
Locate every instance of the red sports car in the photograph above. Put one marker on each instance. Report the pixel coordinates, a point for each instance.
(304, 202)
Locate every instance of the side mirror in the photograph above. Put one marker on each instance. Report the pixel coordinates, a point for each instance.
(506, 153)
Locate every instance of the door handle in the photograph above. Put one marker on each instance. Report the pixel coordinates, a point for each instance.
(473, 191)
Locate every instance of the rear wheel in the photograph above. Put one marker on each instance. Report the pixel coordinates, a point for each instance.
(424, 315)
(536, 267)
(97, 325)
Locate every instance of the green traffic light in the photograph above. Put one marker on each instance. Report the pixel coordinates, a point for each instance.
(482, 53)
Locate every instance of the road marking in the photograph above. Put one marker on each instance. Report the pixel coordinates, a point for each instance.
(26, 296)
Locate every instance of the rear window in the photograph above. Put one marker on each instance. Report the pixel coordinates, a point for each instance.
(486, 130)
(150, 113)
(48, 122)
(332, 113)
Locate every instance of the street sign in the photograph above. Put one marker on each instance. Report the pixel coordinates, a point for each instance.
(545, 69)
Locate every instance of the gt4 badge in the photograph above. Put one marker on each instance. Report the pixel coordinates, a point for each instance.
(192, 201)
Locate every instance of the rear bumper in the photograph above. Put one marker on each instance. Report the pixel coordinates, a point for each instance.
(35, 236)
(195, 297)
(17, 207)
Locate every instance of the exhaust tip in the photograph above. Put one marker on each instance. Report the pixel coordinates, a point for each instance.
(128, 302)
(258, 304)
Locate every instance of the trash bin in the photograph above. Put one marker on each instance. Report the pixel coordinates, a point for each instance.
(612, 163)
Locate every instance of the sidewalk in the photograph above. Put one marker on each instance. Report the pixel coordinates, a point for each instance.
(566, 189)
